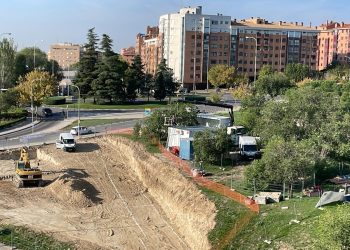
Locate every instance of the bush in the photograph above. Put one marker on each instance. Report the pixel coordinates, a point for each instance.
(215, 97)
(13, 113)
(55, 100)
(195, 98)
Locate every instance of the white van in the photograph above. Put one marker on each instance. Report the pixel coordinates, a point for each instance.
(248, 147)
(66, 142)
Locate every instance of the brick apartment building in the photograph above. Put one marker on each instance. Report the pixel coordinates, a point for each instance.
(333, 44)
(66, 54)
(192, 42)
(128, 54)
(149, 47)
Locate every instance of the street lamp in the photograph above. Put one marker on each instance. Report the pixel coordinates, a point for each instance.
(78, 108)
(256, 52)
(348, 57)
(34, 54)
(3, 64)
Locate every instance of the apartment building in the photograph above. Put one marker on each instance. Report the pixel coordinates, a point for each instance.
(333, 44)
(273, 43)
(149, 47)
(66, 54)
(128, 54)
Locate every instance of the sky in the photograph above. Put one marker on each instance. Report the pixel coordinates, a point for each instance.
(44, 22)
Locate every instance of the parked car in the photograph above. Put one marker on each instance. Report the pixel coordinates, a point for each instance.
(46, 112)
(82, 130)
(66, 142)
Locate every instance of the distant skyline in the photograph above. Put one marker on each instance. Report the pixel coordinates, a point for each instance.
(44, 22)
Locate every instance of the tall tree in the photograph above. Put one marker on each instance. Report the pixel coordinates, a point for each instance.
(272, 84)
(221, 74)
(87, 64)
(37, 85)
(108, 83)
(7, 63)
(8, 99)
(164, 83)
(297, 71)
(134, 78)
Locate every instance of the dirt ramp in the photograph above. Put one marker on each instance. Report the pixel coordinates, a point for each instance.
(185, 206)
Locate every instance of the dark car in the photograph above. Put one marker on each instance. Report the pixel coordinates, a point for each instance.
(47, 112)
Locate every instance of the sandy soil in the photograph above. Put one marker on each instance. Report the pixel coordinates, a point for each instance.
(98, 202)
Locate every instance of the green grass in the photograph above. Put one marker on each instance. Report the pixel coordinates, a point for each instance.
(26, 239)
(10, 122)
(238, 117)
(95, 122)
(140, 105)
(273, 223)
(148, 144)
(228, 214)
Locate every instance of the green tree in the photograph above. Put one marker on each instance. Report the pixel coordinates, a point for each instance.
(272, 84)
(283, 162)
(7, 63)
(221, 74)
(134, 78)
(180, 114)
(21, 68)
(219, 141)
(164, 83)
(297, 71)
(266, 70)
(8, 99)
(333, 229)
(147, 86)
(108, 82)
(87, 65)
(37, 85)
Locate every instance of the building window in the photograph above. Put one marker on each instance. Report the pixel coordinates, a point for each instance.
(213, 62)
(198, 67)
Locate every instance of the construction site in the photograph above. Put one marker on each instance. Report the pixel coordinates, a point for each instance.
(109, 194)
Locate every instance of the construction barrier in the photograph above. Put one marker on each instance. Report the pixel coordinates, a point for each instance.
(211, 185)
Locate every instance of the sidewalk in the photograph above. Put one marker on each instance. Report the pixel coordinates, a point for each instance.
(19, 128)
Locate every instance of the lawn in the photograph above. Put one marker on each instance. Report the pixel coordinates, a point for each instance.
(274, 224)
(228, 214)
(94, 122)
(150, 146)
(25, 239)
(137, 105)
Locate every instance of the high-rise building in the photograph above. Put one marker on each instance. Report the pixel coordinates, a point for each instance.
(189, 40)
(66, 54)
(194, 42)
(149, 47)
(333, 44)
(128, 54)
(274, 44)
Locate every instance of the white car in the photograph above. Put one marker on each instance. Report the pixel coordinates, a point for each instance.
(82, 130)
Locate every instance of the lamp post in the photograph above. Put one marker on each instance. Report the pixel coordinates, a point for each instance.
(348, 57)
(78, 108)
(34, 54)
(256, 52)
(2, 63)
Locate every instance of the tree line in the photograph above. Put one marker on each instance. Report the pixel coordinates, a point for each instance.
(103, 75)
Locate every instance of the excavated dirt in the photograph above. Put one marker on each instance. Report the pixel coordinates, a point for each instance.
(110, 194)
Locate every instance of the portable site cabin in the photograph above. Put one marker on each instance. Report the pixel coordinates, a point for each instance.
(180, 139)
(214, 121)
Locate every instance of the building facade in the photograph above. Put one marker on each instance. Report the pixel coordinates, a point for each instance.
(149, 46)
(66, 54)
(192, 42)
(128, 54)
(333, 44)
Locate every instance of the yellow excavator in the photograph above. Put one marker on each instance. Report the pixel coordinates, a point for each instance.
(25, 174)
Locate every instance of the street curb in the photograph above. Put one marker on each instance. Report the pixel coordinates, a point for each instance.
(20, 128)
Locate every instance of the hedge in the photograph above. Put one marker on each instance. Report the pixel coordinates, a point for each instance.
(55, 100)
(13, 115)
(195, 98)
(11, 122)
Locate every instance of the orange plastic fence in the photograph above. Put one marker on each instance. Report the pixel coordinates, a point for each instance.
(219, 188)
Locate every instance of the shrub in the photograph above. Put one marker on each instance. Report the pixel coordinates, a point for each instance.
(55, 100)
(195, 98)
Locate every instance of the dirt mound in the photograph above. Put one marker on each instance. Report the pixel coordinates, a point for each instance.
(70, 191)
(14, 154)
(180, 199)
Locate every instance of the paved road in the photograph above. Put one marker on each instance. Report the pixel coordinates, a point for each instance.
(51, 137)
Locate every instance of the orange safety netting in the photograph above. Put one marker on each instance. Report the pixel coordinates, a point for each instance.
(219, 188)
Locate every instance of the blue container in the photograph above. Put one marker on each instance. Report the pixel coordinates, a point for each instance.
(186, 148)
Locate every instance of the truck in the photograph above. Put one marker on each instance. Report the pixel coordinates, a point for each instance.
(248, 147)
(66, 142)
(235, 132)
